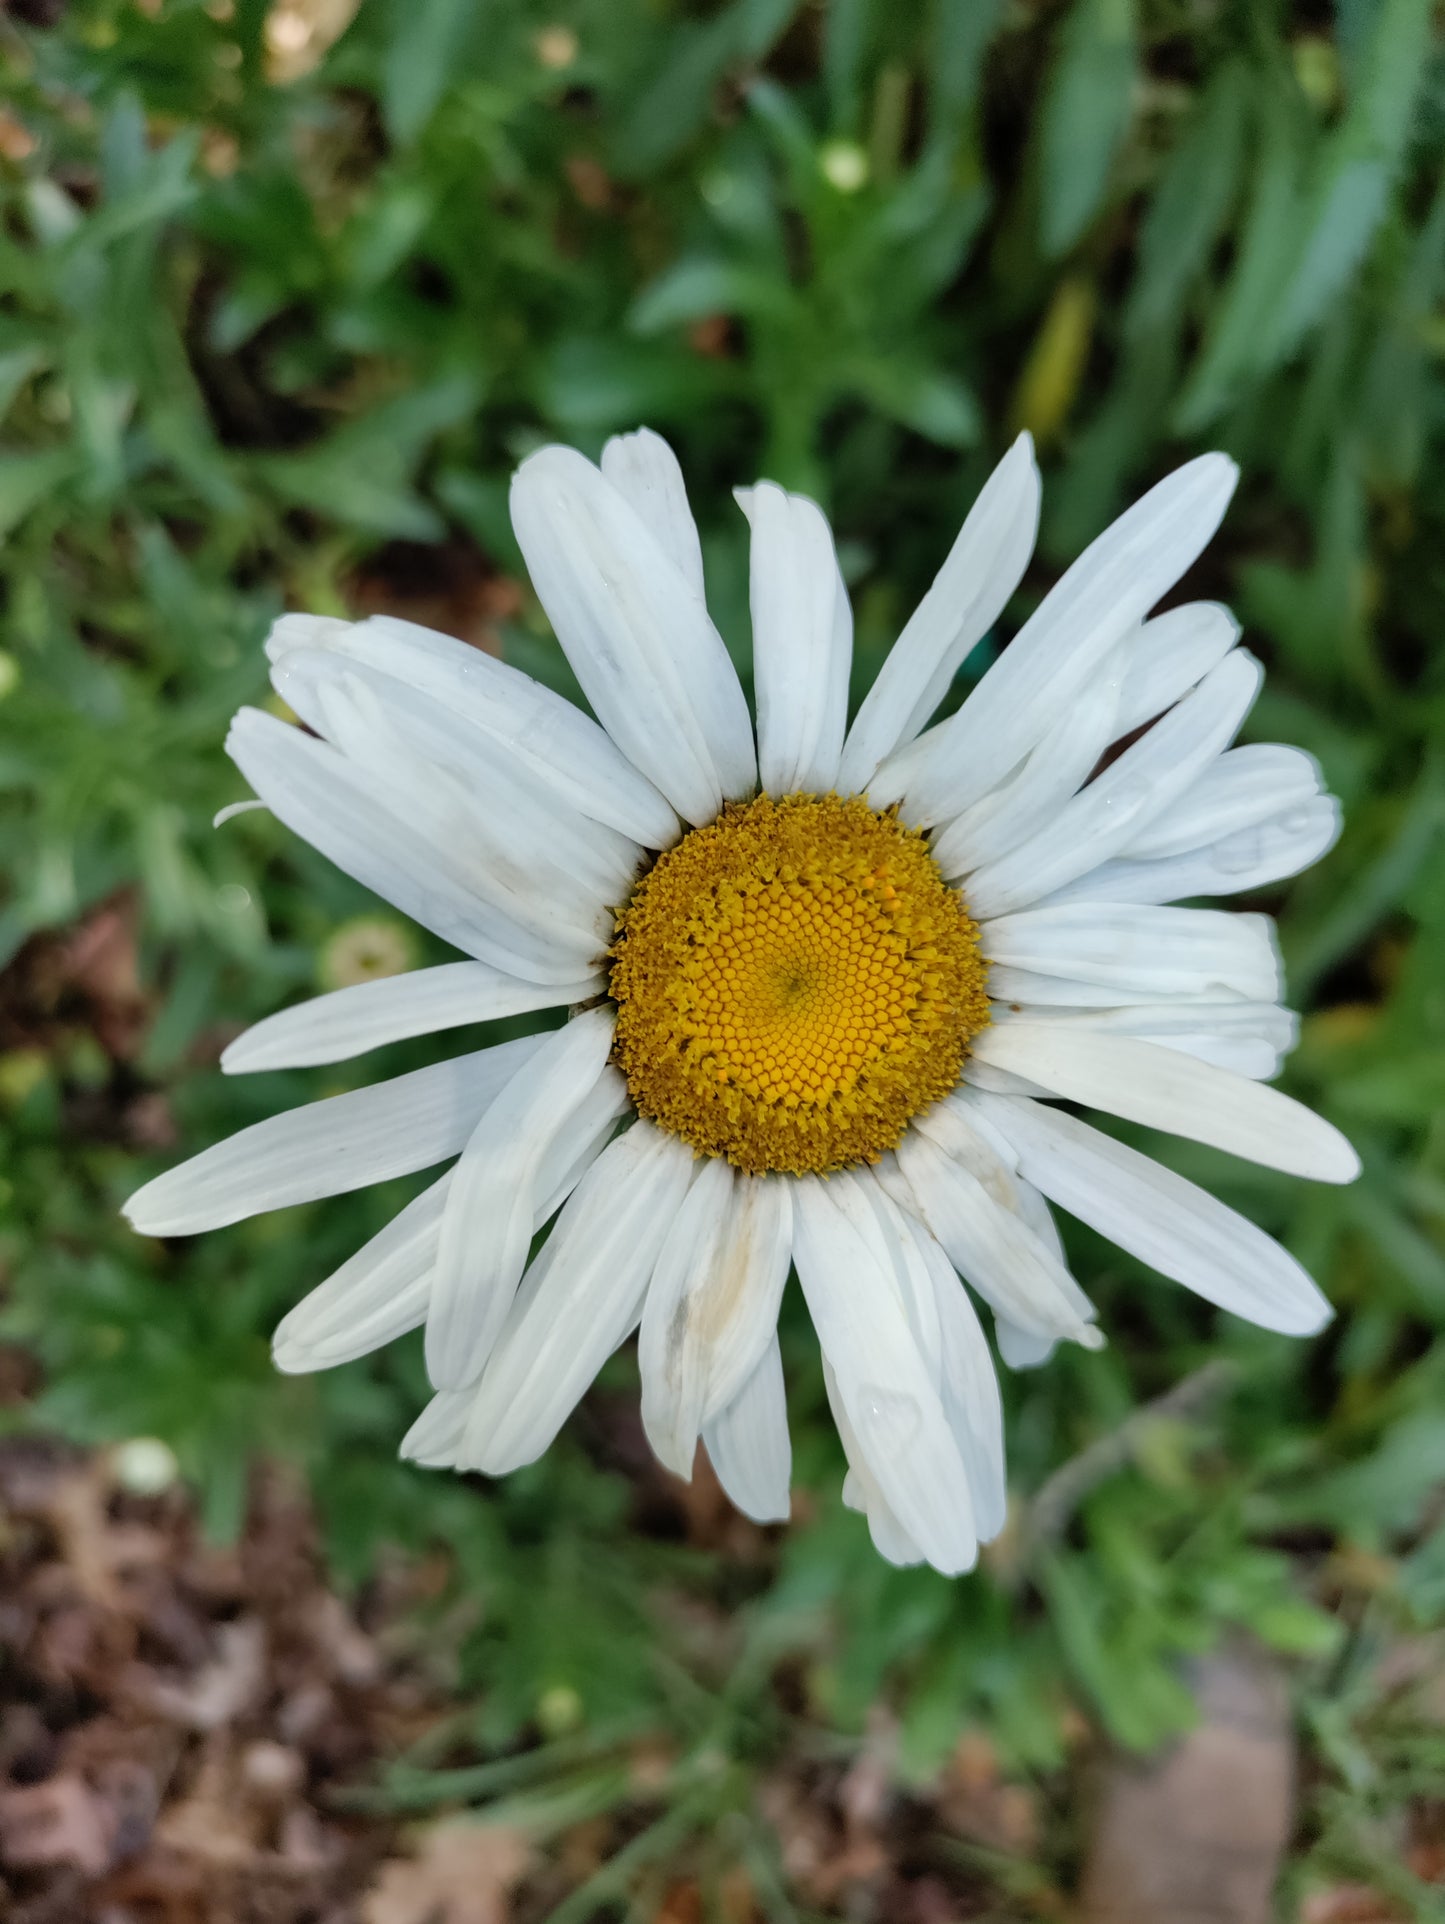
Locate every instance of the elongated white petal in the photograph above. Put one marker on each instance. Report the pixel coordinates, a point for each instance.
(1252, 1038)
(978, 1074)
(330, 1147)
(1174, 1226)
(1158, 1021)
(1251, 858)
(969, 593)
(1166, 657)
(1132, 792)
(884, 1385)
(492, 1204)
(802, 650)
(386, 1287)
(435, 1439)
(712, 1306)
(674, 1370)
(232, 810)
(1163, 1089)
(376, 1295)
(649, 660)
(559, 744)
(578, 1299)
(429, 867)
(582, 1137)
(887, 1227)
(331, 1028)
(1039, 789)
(889, 1235)
(1239, 790)
(747, 1442)
(646, 473)
(1241, 1055)
(993, 1247)
(969, 1387)
(1135, 953)
(404, 739)
(1039, 675)
(1021, 1349)
(862, 1490)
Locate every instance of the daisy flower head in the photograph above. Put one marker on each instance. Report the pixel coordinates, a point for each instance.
(825, 984)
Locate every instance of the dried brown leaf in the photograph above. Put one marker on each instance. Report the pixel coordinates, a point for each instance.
(463, 1873)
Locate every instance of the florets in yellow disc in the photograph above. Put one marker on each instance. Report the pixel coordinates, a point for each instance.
(793, 983)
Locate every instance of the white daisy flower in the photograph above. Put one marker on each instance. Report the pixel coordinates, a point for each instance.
(824, 984)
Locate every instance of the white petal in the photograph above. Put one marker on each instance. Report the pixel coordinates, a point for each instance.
(405, 739)
(1039, 675)
(386, 1287)
(560, 744)
(1251, 1038)
(674, 1373)
(862, 1490)
(1021, 1349)
(1159, 1021)
(646, 473)
(748, 1446)
(1239, 790)
(376, 1295)
(1163, 1089)
(1166, 657)
(1136, 953)
(993, 1247)
(969, 1388)
(953, 1126)
(331, 1028)
(429, 867)
(435, 1439)
(1241, 1055)
(1249, 859)
(1132, 792)
(884, 1385)
(583, 1136)
(712, 1306)
(578, 1299)
(969, 593)
(496, 1188)
(802, 650)
(640, 642)
(1038, 790)
(1174, 1226)
(330, 1147)
(232, 810)
(892, 1238)
(978, 1074)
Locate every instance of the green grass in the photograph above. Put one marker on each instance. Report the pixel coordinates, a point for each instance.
(267, 345)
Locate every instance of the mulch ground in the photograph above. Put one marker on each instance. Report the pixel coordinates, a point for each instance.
(175, 1718)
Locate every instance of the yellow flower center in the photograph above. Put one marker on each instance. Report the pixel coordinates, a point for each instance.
(794, 983)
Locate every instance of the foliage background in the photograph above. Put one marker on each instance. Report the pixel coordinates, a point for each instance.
(284, 296)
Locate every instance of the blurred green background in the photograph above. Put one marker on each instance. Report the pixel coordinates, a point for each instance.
(286, 291)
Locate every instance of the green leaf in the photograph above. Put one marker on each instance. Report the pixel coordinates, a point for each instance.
(961, 33)
(928, 400)
(28, 479)
(1086, 115)
(1191, 203)
(666, 114)
(426, 38)
(695, 288)
(1244, 319)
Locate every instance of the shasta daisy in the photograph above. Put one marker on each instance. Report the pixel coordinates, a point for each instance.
(823, 983)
